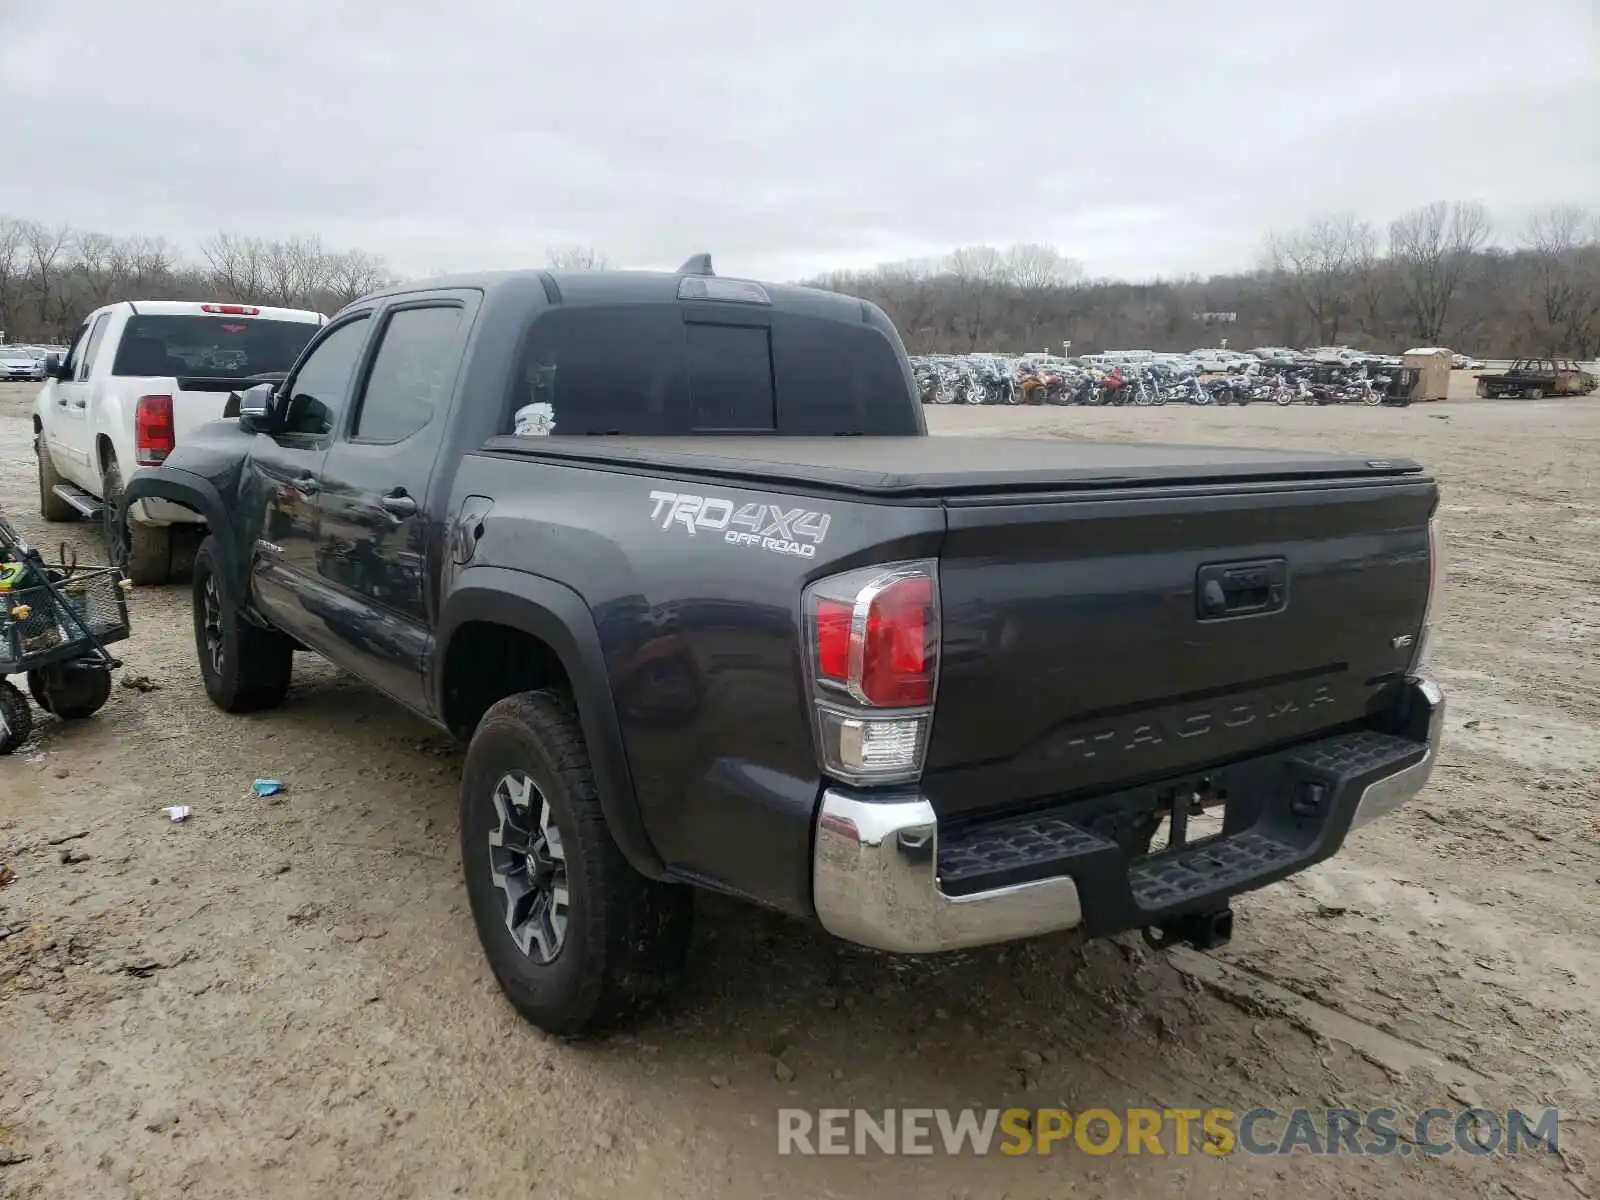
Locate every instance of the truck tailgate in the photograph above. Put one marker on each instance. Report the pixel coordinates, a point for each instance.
(1097, 641)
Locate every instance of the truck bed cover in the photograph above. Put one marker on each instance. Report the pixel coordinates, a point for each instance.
(938, 466)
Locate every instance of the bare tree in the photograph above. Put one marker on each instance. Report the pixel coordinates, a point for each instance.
(1034, 266)
(1432, 248)
(238, 266)
(575, 258)
(1564, 285)
(101, 267)
(296, 270)
(352, 275)
(13, 272)
(1317, 270)
(45, 245)
(975, 272)
(151, 262)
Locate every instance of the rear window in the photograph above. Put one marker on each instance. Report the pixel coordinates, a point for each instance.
(646, 369)
(207, 347)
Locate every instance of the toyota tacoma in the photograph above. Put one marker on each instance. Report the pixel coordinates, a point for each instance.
(676, 558)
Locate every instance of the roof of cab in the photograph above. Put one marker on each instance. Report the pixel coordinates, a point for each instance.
(620, 287)
(198, 308)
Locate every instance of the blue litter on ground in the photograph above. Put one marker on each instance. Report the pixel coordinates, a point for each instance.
(268, 787)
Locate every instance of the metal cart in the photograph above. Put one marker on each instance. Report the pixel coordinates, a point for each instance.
(55, 624)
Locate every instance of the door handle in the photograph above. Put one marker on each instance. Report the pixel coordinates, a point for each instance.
(398, 505)
(306, 485)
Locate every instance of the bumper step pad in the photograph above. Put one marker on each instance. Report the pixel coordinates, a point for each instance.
(1167, 879)
(1285, 811)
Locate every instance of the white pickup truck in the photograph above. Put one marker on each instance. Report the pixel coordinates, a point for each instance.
(139, 375)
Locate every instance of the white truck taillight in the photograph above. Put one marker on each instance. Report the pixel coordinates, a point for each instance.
(872, 658)
(154, 435)
(1435, 582)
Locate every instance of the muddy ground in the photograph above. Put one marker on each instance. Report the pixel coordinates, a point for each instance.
(285, 997)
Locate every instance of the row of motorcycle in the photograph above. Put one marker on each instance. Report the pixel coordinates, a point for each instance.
(994, 379)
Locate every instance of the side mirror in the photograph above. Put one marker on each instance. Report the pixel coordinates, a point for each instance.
(258, 407)
(53, 368)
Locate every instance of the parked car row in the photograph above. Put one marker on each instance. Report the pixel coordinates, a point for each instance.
(24, 363)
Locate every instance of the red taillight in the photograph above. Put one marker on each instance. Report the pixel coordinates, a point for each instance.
(873, 652)
(896, 653)
(153, 433)
(833, 640)
(231, 310)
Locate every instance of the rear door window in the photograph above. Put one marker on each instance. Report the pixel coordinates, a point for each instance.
(617, 369)
(412, 373)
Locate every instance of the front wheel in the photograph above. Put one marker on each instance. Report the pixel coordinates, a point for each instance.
(245, 667)
(51, 506)
(16, 718)
(579, 941)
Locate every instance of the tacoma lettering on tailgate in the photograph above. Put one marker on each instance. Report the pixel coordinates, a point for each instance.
(1145, 732)
(771, 527)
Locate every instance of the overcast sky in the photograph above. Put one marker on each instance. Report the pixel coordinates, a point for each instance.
(1163, 136)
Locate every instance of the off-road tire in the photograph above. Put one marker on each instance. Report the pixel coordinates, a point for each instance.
(16, 718)
(70, 691)
(626, 936)
(143, 551)
(255, 663)
(51, 506)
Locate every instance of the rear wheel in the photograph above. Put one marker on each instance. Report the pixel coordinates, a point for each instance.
(1535, 393)
(143, 551)
(578, 940)
(70, 690)
(245, 668)
(51, 506)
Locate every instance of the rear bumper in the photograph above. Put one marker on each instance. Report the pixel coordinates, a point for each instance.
(883, 877)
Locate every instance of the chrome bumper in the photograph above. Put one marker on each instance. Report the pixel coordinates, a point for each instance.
(875, 878)
(1383, 797)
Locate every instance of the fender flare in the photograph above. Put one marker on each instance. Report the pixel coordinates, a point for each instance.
(191, 491)
(558, 616)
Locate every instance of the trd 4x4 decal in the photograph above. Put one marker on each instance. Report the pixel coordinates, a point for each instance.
(772, 527)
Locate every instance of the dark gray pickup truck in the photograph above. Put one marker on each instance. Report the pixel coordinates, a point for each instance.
(675, 555)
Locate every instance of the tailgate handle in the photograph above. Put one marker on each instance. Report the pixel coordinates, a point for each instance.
(1242, 589)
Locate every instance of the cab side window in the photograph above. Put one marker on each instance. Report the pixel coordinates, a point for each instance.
(74, 353)
(91, 347)
(318, 390)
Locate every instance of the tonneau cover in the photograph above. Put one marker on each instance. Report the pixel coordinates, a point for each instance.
(949, 465)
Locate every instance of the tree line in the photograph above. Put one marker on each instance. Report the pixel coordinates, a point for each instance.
(1439, 275)
(1436, 276)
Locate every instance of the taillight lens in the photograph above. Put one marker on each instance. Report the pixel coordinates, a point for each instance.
(232, 310)
(1435, 582)
(872, 656)
(153, 433)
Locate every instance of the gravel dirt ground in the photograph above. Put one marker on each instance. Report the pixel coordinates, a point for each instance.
(285, 997)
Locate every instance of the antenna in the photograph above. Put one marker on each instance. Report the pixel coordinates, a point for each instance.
(700, 264)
